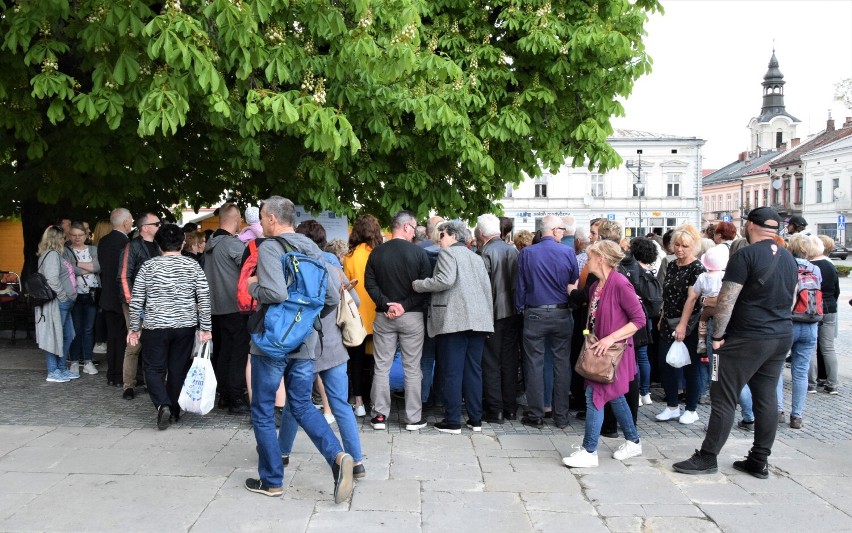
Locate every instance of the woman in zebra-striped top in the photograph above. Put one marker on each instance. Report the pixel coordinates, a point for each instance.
(172, 292)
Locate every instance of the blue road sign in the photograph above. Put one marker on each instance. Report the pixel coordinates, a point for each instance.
(841, 220)
(610, 216)
(726, 218)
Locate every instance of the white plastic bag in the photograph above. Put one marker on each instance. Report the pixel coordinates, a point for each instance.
(678, 355)
(199, 388)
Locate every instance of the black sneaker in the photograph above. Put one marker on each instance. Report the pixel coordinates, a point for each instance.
(239, 407)
(378, 421)
(285, 459)
(475, 425)
(162, 418)
(746, 425)
(414, 426)
(358, 471)
(699, 463)
(444, 427)
(830, 390)
(258, 486)
(342, 478)
(749, 466)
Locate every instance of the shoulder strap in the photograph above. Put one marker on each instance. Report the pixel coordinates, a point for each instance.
(771, 269)
(285, 243)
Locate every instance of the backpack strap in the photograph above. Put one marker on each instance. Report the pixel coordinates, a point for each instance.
(766, 275)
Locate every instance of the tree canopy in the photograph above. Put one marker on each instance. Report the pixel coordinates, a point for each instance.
(347, 105)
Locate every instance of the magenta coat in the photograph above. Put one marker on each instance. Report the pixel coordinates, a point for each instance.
(618, 306)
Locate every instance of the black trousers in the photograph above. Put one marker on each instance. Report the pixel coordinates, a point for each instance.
(360, 367)
(500, 362)
(167, 354)
(578, 385)
(756, 363)
(116, 343)
(230, 354)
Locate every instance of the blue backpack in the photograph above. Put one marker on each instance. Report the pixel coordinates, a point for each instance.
(282, 328)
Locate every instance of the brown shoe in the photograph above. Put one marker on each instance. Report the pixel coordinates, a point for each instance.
(795, 422)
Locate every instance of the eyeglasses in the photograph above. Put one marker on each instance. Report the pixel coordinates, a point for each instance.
(560, 229)
(158, 224)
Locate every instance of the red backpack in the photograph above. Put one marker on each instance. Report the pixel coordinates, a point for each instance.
(245, 303)
(808, 304)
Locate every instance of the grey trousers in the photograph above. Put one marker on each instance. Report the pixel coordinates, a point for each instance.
(556, 326)
(826, 332)
(756, 363)
(408, 330)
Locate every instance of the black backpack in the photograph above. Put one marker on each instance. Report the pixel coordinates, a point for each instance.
(37, 289)
(650, 292)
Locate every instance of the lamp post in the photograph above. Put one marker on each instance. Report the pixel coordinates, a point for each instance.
(640, 186)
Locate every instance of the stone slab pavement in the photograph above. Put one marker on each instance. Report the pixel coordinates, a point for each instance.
(76, 457)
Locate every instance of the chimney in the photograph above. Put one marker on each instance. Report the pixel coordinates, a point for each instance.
(829, 125)
(782, 147)
(794, 142)
(848, 122)
(742, 156)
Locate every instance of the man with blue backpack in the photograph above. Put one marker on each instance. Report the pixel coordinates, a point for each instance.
(289, 273)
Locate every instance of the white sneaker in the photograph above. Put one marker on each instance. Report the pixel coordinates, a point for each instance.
(75, 368)
(329, 418)
(646, 399)
(57, 377)
(688, 417)
(89, 368)
(360, 411)
(581, 458)
(627, 450)
(100, 347)
(668, 414)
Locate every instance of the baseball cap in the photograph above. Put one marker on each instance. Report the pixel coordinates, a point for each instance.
(798, 220)
(764, 216)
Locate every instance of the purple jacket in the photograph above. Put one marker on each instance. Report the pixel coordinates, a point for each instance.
(618, 306)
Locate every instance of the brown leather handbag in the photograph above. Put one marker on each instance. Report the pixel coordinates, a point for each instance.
(600, 369)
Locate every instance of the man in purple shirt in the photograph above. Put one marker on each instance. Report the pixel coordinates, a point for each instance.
(544, 272)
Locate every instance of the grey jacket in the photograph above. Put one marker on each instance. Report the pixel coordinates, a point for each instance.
(501, 263)
(461, 293)
(49, 334)
(334, 353)
(271, 286)
(223, 257)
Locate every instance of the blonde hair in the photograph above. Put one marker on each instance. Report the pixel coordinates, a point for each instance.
(523, 239)
(609, 250)
(827, 244)
(102, 228)
(803, 246)
(686, 235)
(610, 230)
(338, 247)
(52, 240)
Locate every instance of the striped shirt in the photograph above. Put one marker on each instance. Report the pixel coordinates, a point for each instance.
(173, 292)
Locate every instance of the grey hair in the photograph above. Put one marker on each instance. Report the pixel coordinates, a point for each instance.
(570, 225)
(118, 216)
(581, 235)
(283, 209)
(550, 223)
(488, 225)
(402, 218)
(456, 228)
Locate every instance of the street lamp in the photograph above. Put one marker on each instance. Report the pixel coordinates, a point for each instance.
(640, 186)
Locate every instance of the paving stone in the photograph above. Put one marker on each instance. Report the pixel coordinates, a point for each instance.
(526, 442)
(10, 503)
(444, 511)
(13, 437)
(680, 524)
(451, 485)
(717, 493)
(560, 522)
(624, 524)
(255, 512)
(833, 489)
(660, 509)
(611, 510)
(388, 495)
(642, 488)
(751, 518)
(28, 482)
(372, 521)
(563, 502)
(559, 479)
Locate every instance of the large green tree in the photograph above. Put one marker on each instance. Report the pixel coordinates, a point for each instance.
(348, 105)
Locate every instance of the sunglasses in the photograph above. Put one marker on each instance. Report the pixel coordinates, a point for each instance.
(158, 224)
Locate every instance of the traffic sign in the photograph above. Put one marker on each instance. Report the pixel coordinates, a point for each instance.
(841, 220)
(726, 218)
(610, 216)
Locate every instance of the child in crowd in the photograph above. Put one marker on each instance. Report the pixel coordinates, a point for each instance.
(708, 284)
(253, 230)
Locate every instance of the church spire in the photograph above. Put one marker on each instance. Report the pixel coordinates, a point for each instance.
(773, 91)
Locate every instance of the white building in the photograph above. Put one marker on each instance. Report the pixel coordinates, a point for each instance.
(656, 188)
(828, 194)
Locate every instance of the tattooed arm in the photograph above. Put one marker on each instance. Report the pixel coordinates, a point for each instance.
(724, 307)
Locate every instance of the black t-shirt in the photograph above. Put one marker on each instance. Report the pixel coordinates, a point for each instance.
(762, 310)
(390, 269)
(676, 287)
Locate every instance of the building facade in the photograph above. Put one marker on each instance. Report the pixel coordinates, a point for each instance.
(827, 202)
(656, 188)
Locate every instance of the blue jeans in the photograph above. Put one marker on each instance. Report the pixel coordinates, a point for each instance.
(337, 389)
(595, 416)
(83, 315)
(461, 368)
(298, 378)
(57, 361)
(746, 404)
(804, 347)
(644, 365)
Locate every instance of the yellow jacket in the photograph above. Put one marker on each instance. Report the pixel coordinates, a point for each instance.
(354, 264)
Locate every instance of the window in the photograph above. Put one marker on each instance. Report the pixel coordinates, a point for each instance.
(510, 189)
(674, 150)
(673, 185)
(776, 196)
(636, 191)
(779, 139)
(765, 198)
(728, 203)
(748, 200)
(712, 203)
(835, 184)
(541, 190)
(787, 191)
(799, 186)
(597, 185)
(819, 192)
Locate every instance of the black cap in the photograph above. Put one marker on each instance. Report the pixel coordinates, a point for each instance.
(798, 220)
(764, 216)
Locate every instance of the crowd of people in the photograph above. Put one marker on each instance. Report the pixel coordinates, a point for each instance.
(483, 320)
